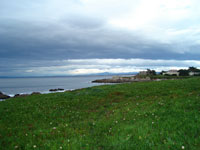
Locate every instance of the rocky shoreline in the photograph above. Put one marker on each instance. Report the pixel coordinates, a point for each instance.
(114, 79)
(118, 79)
(4, 96)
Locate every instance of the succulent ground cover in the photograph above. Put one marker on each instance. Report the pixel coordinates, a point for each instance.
(158, 115)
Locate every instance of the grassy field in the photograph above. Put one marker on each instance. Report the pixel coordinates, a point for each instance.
(134, 116)
(169, 77)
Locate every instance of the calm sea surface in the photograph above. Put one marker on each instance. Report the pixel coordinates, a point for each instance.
(12, 86)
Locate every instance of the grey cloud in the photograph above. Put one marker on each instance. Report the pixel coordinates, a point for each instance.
(64, 41)
(25, 44)
(88, 66)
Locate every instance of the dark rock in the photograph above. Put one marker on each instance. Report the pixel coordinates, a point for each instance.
(21, 95)
(35, 93)
(17, 95)
(54, 90)
(3, 96)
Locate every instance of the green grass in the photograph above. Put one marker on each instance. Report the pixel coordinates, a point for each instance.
(170, 77)
(134, 116)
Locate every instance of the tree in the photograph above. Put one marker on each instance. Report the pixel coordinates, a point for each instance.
(183, 72)
(151, 72)
(193, 69)
(162, 72)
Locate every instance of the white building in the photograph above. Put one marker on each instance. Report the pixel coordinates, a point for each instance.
(194, 73)
(171, 72)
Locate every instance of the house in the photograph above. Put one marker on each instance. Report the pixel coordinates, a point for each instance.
(171, 72)
(194, 73)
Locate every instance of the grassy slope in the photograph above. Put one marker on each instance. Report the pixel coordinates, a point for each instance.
(142, 116)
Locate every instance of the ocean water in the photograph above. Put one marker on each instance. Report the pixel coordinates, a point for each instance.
(12, 86)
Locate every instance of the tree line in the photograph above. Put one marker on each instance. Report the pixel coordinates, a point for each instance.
(182, 72)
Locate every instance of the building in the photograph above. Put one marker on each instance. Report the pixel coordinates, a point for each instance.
(194, 73)
(171, 73)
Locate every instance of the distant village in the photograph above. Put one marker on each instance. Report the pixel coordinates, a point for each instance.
(152, 75)
(191, 71)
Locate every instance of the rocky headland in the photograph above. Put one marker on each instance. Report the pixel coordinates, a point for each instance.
(118, 79)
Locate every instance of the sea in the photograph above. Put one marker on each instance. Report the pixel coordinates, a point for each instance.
(12, 86)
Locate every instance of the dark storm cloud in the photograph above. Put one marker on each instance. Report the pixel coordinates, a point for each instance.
(72, 39)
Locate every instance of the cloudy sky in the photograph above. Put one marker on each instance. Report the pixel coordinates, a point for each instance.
(76, 37)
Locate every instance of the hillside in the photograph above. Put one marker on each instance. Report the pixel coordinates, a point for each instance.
(133, 116)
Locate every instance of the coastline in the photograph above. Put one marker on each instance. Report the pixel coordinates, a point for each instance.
(117, 111)
(13, 86)
(90, 83)
(32, 93)
(46, 92)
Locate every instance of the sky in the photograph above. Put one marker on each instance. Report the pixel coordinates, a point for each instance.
(80, 37)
